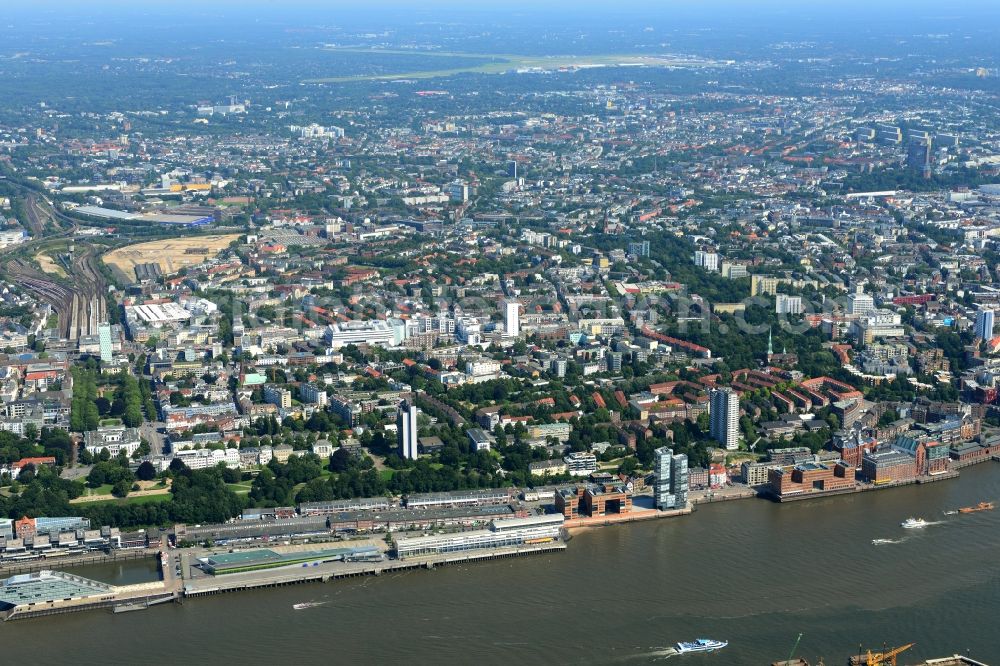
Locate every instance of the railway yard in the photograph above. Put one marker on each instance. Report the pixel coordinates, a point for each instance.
(78, 299)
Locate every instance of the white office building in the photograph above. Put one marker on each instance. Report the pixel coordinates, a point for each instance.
(725, 418)
(859, 303)
(387, 333)
(114, 440)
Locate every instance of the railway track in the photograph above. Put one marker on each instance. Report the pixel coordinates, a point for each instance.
(80, 305)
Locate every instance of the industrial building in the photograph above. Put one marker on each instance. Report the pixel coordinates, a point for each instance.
(460, 498)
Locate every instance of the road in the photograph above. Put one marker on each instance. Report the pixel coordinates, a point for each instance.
(151, 432)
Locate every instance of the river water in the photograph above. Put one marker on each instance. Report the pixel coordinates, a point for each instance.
(751, 572)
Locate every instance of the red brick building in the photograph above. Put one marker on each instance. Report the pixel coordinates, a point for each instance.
(811, 477)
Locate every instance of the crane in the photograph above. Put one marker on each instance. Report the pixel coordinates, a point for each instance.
(886, 658)
(794, 648)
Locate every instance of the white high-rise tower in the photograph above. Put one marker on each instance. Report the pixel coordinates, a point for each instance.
(512, 318)
(724, 418)
(406, 430)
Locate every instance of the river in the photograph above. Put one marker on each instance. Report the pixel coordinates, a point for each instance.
(750, 572)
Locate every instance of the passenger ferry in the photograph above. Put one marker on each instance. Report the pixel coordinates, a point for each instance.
(701, 645)
(913, 523)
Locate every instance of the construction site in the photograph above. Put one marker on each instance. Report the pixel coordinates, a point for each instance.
(170, 254)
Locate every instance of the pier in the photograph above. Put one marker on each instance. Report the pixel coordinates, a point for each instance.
(171, 589)
(198, 587)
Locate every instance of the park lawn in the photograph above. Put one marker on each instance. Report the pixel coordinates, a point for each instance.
(146, 499)
(241, 488)
(137, 499)
(387, 474)
(104, 489)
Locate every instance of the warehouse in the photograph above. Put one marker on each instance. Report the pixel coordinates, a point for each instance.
(257, 560)
(501, 533)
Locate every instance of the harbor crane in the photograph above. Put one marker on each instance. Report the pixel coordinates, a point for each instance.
(886, 658)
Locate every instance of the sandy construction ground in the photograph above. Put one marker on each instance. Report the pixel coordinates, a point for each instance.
(172, 254)
(49, 265)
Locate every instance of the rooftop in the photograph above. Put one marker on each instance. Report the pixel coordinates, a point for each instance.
(45, 586)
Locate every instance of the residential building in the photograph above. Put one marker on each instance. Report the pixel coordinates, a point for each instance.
(709, 260)
(763, 285)
(512, 321)
(312, 394)
(984, 324)
(406, 430)
(785, 304)
(277, 396)
(639, 248)
(479, 439)
(670, 479)
(581, 463)
(724, 413)
(756, 473)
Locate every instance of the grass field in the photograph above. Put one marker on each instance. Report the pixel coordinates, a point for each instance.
(138, 499)
(172, 254)
(241, 488)
(152, 491)
(146, 499)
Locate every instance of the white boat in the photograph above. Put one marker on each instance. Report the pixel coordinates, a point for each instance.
(881, 542)
(701, 645)
(307, 604)
(914, 523)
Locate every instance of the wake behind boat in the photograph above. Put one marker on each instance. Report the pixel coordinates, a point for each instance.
(882, 542)
(307, 604)
(914, 523)
(701, 645)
